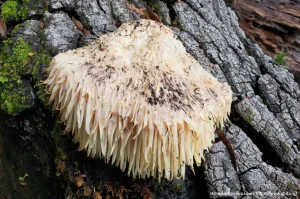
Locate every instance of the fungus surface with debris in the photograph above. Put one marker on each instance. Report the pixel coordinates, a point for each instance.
(137, 99)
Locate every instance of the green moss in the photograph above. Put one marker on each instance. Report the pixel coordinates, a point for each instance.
(250, 117)
(42, 59)
(43, 96)
(59, 144)
(12, 99)
(179, 188)
(23, 12)
(9, 11)
(280, 59)
(17, 59)
(14, 10)
(16, 62)
(286, 148)
(15, 29)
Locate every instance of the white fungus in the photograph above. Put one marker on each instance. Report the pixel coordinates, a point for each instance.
(137, 99)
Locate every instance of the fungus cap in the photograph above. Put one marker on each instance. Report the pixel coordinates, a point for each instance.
(137, 99)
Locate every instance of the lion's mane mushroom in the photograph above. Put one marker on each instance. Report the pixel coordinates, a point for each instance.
(137, 99)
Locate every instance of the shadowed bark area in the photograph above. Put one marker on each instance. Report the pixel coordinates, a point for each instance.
(27, 148)
(263, 129)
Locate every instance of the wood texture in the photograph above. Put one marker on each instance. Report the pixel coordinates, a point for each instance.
(274, 25)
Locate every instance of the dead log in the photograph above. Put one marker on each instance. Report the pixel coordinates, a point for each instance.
(274, 25)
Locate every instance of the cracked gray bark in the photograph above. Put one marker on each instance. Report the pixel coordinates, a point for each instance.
(252, 76)
(60, 32)
(264, 126)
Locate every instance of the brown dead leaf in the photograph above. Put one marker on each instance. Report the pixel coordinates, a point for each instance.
(79, 181)
(97, 195)
(153, 15)
(61, 166)
(86, 32)
(143, 189)
(3, 30)
(78, 24)
(116, 191)
(146, 13)
(229, 147)
(132, 7)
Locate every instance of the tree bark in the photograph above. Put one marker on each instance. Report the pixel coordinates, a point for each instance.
(274, 25)
(263, 127)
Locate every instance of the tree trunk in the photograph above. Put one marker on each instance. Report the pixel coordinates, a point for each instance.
(274, 25)
(263, 127)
